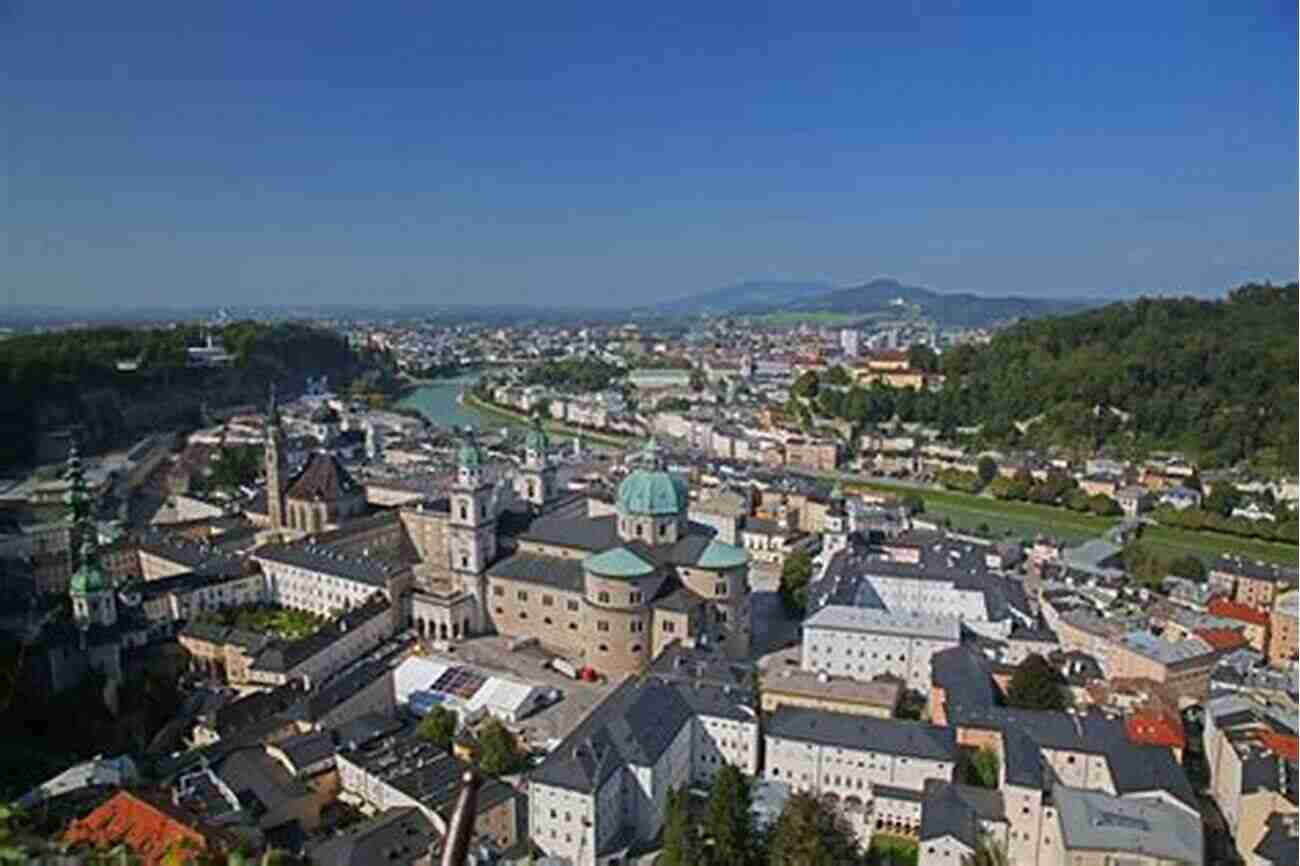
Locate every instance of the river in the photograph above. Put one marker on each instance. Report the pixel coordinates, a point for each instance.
(438, 403)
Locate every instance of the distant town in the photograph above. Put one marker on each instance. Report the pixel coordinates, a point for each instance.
(667, 586)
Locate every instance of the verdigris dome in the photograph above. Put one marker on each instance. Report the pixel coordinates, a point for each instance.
(87, 579)
(652, 492)
(469, 456)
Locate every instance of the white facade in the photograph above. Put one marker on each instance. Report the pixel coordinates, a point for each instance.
(863, 643)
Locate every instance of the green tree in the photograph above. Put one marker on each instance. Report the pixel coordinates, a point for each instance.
(988, 470)
(682, 844)
(838, 376)
(795, 574)
(913, 502)
(811, 834)
(1188, 566)
(1103, 506)
(806, 385)
(1222, 499)
(980, 767)
(499, 753)
(438, 727)
(1036, 685)
(729, 821)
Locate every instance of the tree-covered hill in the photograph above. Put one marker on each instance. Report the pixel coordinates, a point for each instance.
(1214, 379)
(53, 381)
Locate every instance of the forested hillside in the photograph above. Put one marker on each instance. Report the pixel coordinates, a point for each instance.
(52, 381)
(1216, 379)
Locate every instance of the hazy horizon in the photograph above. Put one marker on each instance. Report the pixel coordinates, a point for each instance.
(587, 156)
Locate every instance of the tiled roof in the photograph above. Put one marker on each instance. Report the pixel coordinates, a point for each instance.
(323, 478)
(1222, 638)
(1229, 609)
(149, 826)
(398, 837)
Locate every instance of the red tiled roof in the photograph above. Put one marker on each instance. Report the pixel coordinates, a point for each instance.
(1222, 638)
(1155, 729)
(149, 828)
(1220, 606)
(1287, 747)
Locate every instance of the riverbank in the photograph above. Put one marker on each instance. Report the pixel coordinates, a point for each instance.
(486, 408)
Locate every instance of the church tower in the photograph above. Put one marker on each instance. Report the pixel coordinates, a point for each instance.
(276, 470)
(537, 480)
(835, 536)
(472, 528)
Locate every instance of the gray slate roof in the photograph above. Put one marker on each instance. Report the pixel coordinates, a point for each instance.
(887, 736)
(397, 837)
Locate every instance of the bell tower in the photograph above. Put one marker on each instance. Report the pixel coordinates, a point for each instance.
(472, 527)
(276, 470)
(537, 479)
(835, 536)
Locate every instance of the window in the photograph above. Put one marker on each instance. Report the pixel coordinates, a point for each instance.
(523, 614)
(639, 532)
(546, 621)
(602, 597)
(464, 512)
(603, 648)
(720, 588)
(634, 598)
(670, 626)
(464, 561)
(573, 626)
(500, 610)
(521, 595)
(636, 627)
(602, 625)
(636, 647)
(722, 617)
(548, 600)
(571, 605)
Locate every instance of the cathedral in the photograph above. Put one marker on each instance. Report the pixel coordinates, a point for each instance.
(605, 584)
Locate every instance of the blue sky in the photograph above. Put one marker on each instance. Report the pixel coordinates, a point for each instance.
(616, 153)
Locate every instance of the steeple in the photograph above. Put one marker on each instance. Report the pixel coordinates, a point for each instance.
(78, 502)
(276, 467)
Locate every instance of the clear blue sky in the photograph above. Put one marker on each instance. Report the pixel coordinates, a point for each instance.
(273, 152)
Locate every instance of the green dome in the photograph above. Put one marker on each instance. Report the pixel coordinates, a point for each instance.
(652, 492)
(89, 578)
(618, 562)
(468, 456)
(718, 555)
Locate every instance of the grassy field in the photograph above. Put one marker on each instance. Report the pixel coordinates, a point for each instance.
(894, 850)
(1024, 520)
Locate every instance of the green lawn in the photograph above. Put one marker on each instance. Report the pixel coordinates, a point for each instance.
(894, 850)
(967, 511)
(282, 622)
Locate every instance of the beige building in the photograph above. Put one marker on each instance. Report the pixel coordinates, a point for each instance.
(1282, 643)
(791, 687)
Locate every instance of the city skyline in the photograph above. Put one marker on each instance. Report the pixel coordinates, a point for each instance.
(582, 157)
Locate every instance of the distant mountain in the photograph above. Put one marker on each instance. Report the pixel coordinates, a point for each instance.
(876, 296)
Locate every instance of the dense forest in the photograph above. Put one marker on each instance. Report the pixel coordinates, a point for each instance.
(70, 378)
(1215, 380)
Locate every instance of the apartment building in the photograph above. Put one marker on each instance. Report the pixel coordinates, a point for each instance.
(1283, 631)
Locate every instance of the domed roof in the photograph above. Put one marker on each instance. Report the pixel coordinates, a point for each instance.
(468, 456)
(719, 555)
(89, 578)
(618, 562)
(653, 492)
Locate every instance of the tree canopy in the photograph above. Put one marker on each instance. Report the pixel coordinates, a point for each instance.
(438, 727)
(1036, 685)
(795, 574)
(809, 833)
(729, 821)
(499, 752)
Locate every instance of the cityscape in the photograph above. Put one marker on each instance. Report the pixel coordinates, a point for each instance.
(970, 566)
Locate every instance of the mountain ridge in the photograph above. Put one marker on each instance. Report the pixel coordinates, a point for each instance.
(879, 294)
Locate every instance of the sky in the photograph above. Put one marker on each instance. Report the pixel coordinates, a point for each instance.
(192, 154)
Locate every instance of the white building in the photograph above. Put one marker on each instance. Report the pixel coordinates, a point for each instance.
(864, 643)
(606, 785)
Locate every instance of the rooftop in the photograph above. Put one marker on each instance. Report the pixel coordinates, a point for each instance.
(1093, 821)
(864, 733)
(875, 621)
